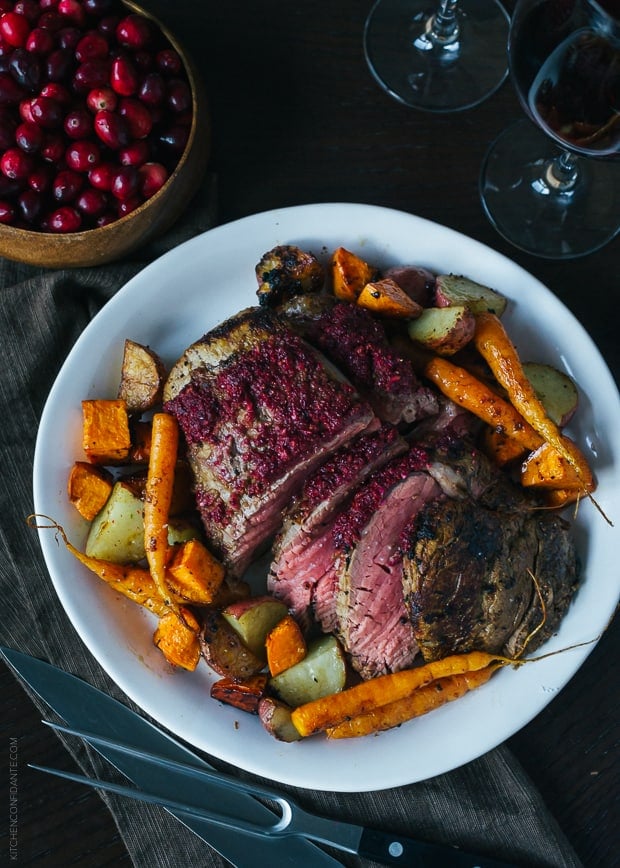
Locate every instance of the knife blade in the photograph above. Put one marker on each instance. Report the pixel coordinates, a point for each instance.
(84, 706)
(387, 848)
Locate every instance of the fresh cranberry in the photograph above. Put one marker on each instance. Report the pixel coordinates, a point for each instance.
(29, 137)
(179, 96)
(125, 183)
(59, 64)
(102, 176)
(98, 7)
(144, 60)
(7, 212)
(64, 219)
(138, 117)
(135, 154)
(101, 99)
(112, 129)
(10, 91)
(134, 31)
(10, 188)
(40, 179)
(91, 74)
(15, 29)
(123, 76)
(8, 125)
(51, 20)
(126, 206)
(30, 204)
(82, 156)
(91, 202)
(153, 176)
(40, 41)
(78, 123)
(174, 138)
(46, 112)
(73, 10)
(25, 110)
(169, 61)
(108, 24)
(68, 37)
(30, 9)
(53, 148)
(152, 89)
(47, 4)
(91, 46)
(16, 164)
(67, 184)
(56, 91)
(25, 69)
(6, 6)
(106, 219)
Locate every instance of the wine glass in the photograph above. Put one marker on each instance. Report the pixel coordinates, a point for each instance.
(552, 187)
(441, 58)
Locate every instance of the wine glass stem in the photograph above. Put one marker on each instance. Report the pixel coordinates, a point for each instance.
(441, 29)
(561, 173)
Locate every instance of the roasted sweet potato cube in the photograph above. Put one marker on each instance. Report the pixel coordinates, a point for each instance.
(177, 639)
(106, 438)
(194, 573)
(89, 487)
(350, 274)
(245, 695)
(386, 298)
(545, 468)
(285, 645)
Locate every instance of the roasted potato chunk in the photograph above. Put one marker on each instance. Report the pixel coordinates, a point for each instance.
(276, 718)
(244, 695)
(286, 271)
(142, 378)
(452, 289)
(445, 330)
(224, 650)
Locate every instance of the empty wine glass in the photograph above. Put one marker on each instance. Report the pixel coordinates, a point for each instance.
(437, 55)
(552, 187)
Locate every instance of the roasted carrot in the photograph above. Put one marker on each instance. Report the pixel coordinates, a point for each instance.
(546, 468)
(494, 345)
(157, 498)
(469, 392)
(421, 701)
(500, 448)
(133, 582)
(332, 710)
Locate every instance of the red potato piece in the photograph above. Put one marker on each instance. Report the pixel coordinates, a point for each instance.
(276, 718)
(452, 289)
(416, 281)
(253, 619)
(445, 330)
(142, 377)
(244, 695)
(223, 649)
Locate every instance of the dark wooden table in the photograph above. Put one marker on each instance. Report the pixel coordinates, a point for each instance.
(298, 119)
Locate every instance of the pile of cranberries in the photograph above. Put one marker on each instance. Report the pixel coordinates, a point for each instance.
(95, 112)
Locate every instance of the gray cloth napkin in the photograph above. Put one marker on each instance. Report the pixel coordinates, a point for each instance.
(489, 805)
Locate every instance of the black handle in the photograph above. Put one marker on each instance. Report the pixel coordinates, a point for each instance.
(390, 849)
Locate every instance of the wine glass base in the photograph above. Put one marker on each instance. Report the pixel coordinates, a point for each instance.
(536, 218)
(438, 78)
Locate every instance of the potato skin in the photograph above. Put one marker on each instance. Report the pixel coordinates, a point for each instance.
(416, 281)
(223, 649)
(142, 377)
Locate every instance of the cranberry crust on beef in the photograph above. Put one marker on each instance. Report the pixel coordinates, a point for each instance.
(259, 410)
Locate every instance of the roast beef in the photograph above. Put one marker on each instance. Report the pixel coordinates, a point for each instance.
(358, 345)
(473, 577)
(346, 573)
(259, 410)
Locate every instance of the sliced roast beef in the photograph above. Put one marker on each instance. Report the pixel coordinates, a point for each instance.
(473, 576)
(259, 411)
(346, 574)
(358, 344)
(303, 550)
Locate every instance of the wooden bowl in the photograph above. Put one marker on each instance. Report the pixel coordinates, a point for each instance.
(149, 220)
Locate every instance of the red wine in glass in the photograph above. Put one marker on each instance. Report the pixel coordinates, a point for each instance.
(552, 187)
